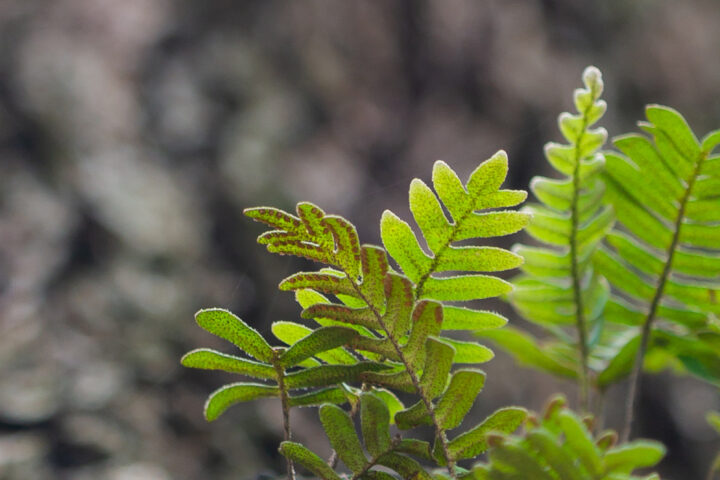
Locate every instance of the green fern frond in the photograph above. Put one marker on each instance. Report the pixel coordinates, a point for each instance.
(297, 367)
(362, 457)
(463, 202)
(449, 272)
(664, 262)
(668, 253)
(559, 444)
(558, 287)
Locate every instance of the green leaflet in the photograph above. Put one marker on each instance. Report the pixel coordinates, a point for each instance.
(408, 468)
(299, 454)
(293, 334)
(558, 289)
(375, 422)
(634, 455)
(455, 403)
(438, 362)
(341, 432)
(558, 445)
(528, 351)
(580, 442)
(459, 318)
(325, 375)
(222, 398)
(474, 441)
(320, 340)
(229, 327)
(208, 359)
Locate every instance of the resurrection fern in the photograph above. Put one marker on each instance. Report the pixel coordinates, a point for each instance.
(559, 445)
(400, 319)
(663, 260)
(272, 365)
(394, 452)
(558, 287)
(385, 320)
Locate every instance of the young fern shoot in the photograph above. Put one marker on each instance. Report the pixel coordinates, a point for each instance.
(558, 287)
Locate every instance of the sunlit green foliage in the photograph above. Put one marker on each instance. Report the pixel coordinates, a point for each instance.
(558, 288)
(380, 320)
(559, 445)
(271, 364)
(663, 260)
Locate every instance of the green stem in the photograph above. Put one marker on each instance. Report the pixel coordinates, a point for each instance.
(284, 400)
(635, 376)
(376, 459)
(575, 270)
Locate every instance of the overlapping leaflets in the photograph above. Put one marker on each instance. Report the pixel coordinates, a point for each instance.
(558, 287)
(664, 261)
(381, 320)
(560, 445)
(397, 318)
(272, 364)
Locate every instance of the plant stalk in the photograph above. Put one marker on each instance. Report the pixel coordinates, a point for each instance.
(286, 413)
(635, 376)
(575, 272)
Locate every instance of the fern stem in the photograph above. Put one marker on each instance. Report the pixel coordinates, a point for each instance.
(635, 376)
(436, 257)
(286, 412)
(575, 272)
(374, 461)
(439, 431)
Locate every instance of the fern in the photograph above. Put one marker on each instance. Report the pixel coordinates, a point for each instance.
(665, 260)
(383, 320)
(272, 365)
(400, 319)
(560, 445)
(558, 287)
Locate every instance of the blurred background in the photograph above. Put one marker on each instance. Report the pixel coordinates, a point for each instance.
(133, 133)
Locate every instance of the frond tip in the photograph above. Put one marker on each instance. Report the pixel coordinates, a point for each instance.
(466, 204)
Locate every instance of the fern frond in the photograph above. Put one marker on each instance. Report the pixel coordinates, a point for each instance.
(308, 349)
(463, 202)
(312, 234)
(558, 444)
(558, 287)
(362, 457)
(666, 255)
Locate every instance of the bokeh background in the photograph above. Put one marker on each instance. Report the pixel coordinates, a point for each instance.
(134, 132)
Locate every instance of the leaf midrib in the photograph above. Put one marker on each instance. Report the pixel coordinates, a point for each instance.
(436, 258)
